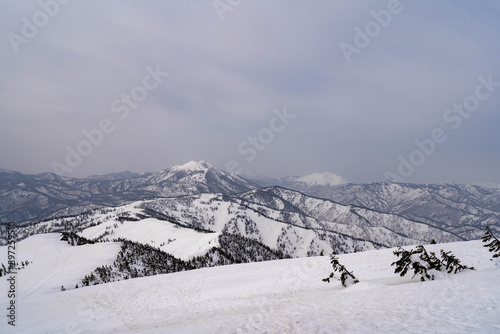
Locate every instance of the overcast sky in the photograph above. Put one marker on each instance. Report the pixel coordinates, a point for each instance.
(350, 102)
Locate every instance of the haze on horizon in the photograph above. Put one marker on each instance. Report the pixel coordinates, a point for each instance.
(274, 88)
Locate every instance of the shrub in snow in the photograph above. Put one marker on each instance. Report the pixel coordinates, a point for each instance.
(11, 266)
(493, 242)
(347, 278)
(451, 264)
(426, 264)
(418, 260)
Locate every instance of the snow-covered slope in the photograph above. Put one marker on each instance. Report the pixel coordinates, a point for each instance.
(181, 242)
(464, 210)
(282, 219)
(380, 228)
(54, 263)
(285, 296)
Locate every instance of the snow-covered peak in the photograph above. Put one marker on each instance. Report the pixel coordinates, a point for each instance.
(322, 179)
(193, 166)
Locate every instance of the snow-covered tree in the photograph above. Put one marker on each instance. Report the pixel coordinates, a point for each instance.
(424, 263)
(418, 260)
(492, 242)
(347, 278)
(451, 263)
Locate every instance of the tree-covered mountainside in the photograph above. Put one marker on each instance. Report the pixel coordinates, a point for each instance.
(141, 260)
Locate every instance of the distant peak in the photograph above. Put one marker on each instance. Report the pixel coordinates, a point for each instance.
(322, 179)
(193, 165)
(8, 171)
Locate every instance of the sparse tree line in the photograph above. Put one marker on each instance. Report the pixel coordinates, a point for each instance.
(141, 260)
(72, 223)
(423, 264)
(4, 271)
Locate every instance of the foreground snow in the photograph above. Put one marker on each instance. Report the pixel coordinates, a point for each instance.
(285, 296)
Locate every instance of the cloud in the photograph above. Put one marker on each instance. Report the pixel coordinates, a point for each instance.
(226, 77)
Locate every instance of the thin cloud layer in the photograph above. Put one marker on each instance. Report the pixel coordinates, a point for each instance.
(355, 115)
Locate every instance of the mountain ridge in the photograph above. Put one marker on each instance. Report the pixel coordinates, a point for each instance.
(462, 210)
(26, 198)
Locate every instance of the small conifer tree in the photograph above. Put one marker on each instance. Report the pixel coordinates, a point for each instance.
(423, 263)
(451, 263)
(410, 260)
(492, 242)
(347, 278)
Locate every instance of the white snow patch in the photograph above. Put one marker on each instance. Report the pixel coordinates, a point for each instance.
(54, 263)
(322, 179)
(192, 166)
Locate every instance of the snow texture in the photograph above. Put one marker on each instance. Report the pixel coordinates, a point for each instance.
(285, 296)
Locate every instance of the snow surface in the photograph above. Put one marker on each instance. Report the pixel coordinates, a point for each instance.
(322, 179)
(285, 296)
(55, 263)
(184, 243)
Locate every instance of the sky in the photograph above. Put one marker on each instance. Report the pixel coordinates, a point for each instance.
(404, 91)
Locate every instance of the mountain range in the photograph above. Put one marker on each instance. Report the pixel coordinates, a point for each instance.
(29, 198)
(321, 201)
(286, 220)
(75, 235)
(464, 210)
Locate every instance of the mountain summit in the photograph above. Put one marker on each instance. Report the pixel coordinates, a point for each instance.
(193, 166)
(34, 197)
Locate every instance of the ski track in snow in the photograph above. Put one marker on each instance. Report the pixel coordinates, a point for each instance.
(285, 296)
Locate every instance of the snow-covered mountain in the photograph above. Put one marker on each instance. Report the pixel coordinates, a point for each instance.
(282, 219)
(36, 197)
(285, 296)
(305, 183)
(464, 210)
(196, 216)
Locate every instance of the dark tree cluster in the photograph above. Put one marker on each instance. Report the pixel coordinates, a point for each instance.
(422, 263)
(235, 248)
(136, 260)
(140, 260)
(74, 239)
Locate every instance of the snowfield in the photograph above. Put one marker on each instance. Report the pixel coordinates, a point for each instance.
(184, 243)
(285, 296)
